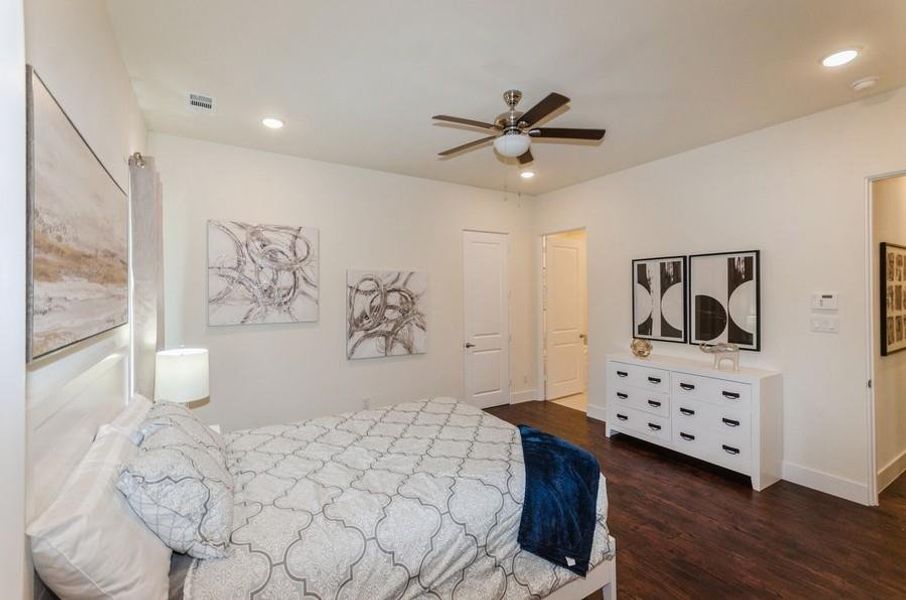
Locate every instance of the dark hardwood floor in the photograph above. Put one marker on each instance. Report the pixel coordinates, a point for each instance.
(685, 529)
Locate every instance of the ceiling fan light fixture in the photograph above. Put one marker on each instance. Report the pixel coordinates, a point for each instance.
(512, 145)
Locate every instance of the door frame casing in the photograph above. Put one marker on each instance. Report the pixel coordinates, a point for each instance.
(509, 312)
(540, 359)
(871, 280)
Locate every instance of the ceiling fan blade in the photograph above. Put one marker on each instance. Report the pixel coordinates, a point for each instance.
(552, 102)
(466, 146)
(526, 157)
(460, 121)
(567, 133)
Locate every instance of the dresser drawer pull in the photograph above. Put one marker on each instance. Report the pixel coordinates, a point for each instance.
(654, 379)
(687, 436)
(730, 449)
(687, 386)
(730, 422)
(688, 412)
(654, 427)
(622, 374)
(622, 417)
(731, 395)
(654, 403)
(622, 396)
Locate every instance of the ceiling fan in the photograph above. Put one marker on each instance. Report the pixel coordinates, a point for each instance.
(515, 129)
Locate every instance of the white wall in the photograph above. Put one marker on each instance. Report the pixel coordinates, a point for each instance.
(889, 216)
(13, 575)
(72, 47)
(797, 192)
(367, 219)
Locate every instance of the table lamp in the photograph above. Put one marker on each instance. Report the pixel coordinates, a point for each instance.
(181, 375)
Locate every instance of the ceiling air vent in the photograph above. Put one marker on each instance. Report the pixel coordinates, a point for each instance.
(201, 102)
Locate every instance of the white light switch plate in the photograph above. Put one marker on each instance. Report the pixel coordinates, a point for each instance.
(824, 324)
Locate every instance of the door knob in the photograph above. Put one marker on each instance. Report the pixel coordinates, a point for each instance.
(470, 345)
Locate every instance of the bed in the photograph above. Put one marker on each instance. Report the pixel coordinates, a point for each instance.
(415, 500)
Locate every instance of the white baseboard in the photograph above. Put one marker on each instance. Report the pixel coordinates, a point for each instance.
(827, 483)
(598, 413)
(891, 471)
(523, 396)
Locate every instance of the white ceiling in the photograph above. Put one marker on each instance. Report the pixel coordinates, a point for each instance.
(358, 81)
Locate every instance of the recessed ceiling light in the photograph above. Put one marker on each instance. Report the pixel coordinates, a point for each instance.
(527, 174)
(838, 59)
(272, 122)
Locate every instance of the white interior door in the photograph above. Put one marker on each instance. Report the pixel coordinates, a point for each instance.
(486, 344)
(564, 316)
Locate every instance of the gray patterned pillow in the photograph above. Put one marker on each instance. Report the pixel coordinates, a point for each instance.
(182, 492)
(164, 414)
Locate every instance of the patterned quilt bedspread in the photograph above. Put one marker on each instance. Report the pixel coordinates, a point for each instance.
(415, 500)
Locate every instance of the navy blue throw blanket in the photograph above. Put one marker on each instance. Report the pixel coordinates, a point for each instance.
(561, 492)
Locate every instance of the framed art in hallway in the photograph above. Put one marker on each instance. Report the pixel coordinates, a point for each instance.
(659, 299)
(78, 217)
(893, 298)
(725, 297)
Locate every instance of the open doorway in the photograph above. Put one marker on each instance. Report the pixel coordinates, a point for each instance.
(888, 309)
(565, 318)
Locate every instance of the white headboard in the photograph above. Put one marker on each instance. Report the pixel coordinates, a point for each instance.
(69, 397)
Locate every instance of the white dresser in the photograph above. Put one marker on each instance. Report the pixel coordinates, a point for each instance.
(731, 419)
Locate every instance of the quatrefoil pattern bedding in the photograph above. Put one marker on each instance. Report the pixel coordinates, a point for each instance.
(415, 500)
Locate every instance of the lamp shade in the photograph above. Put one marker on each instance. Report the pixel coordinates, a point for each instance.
(181, 375)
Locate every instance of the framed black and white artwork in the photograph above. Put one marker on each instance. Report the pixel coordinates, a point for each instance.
(725, 294)
(893, 298)
(659, 299)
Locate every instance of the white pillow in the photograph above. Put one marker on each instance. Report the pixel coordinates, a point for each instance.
(130, 417)
(89, 544)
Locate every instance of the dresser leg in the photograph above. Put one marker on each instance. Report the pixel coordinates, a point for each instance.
(608, 432)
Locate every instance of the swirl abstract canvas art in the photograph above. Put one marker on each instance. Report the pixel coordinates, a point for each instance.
(385, 313)
(261, 273)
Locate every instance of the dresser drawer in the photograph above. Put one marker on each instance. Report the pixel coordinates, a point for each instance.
(640, 399)
(689, 412)
(711, 389)
(646, 378)
(729, 453)
(690, 439)
(732, 422)
(732, 394)
(639, 422)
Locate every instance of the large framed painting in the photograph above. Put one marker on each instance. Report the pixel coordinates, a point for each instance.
(659, 299)
(725, 293)
(385, 313)
(893, 298)
(78, 232)
(261, 273)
